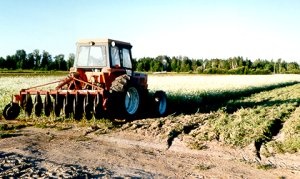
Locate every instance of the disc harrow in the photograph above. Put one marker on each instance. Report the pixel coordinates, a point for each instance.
(59, 102)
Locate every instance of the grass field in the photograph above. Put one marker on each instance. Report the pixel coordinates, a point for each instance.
(235, 110)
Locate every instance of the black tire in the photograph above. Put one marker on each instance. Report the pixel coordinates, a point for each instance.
(120, 83)
(160, 103)
(48, 106)
(38, 105)
(28, 105)
(125, 98)
(11, 111)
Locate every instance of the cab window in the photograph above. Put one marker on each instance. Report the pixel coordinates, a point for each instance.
(115, 57)
(126, 58)
(91, 56)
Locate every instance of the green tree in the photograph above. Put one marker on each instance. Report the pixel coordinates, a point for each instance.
(37, 59)
(46, 60)
(186, 65)
(224, 64)
(20, 59)
(156, 66)
(10, 62)
(70, 61)
(59, 63)
(30, 61)
(2, 62)
(196, 64)
(174, 64)
(293, 67)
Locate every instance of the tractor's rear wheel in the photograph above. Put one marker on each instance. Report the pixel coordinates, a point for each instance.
(125, 100)
(11, 111)
(120, 83)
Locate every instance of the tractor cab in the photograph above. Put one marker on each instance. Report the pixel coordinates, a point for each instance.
(96, 54)
(101, 61)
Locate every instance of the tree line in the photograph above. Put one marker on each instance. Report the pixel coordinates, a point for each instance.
(37, 60)
(233, 65)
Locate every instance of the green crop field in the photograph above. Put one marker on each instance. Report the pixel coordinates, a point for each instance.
(235, 110)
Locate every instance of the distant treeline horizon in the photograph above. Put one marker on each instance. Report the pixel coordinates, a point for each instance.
(233, 65)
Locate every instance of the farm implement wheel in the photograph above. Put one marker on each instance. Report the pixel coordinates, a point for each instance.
(11, 111)
(160, 103)
(38, 105)
(77, 107)
(48, 105)
(88, 107)
(28, 105)
(98, 108)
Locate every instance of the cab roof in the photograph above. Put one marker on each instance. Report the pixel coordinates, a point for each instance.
(99, 41)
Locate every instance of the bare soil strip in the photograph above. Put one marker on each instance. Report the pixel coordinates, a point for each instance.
(77, 153)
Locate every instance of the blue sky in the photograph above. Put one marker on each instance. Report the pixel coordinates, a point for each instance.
(267, 29)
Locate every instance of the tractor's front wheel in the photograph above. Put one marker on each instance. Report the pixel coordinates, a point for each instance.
(160, 103)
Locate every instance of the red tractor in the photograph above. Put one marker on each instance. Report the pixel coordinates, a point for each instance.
(102, 83)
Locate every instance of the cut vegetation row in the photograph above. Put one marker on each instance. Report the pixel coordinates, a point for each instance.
(269, 119)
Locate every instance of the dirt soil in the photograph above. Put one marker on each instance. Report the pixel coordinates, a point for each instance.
(131, 152)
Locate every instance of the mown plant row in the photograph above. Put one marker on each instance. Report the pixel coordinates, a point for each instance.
(206, 101)
(257, 119)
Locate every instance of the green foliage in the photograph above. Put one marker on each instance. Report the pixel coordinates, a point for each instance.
(235, 65)
(36, 61)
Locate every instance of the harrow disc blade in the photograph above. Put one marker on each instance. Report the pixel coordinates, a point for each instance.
(28, 105)
(98, 107)
(38, 105)
(23, 101)
(58, 104)
(67, 105)
(88, 107)
(77, 107)
(47, 105)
